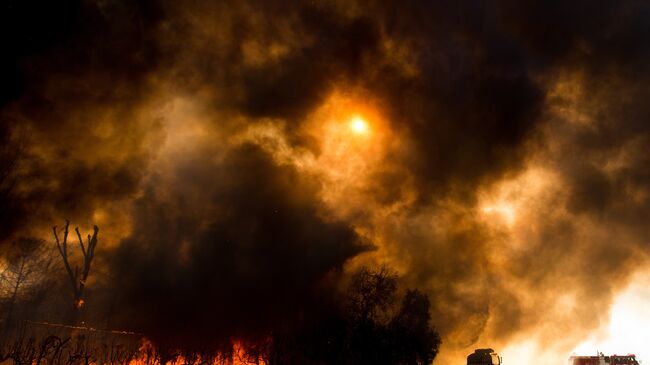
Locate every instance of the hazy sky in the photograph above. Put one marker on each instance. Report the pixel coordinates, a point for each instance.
(494, 153)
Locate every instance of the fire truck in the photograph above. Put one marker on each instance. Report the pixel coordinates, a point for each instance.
(600, 359)
(485, 357)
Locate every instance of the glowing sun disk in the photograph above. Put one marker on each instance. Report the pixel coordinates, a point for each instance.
(358, 125)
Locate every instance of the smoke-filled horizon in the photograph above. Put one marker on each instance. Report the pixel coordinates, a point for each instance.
(241, 157)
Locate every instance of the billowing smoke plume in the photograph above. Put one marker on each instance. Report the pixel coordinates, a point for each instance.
(508, 177)
(231, 246)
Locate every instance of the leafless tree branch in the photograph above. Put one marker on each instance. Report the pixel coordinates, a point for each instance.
(79, 275)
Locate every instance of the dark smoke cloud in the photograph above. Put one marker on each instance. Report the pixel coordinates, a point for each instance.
(236, 247)
(479, 94)
(466, 113)
(76, 75)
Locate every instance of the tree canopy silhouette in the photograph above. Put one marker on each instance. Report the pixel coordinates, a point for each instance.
(370, 326)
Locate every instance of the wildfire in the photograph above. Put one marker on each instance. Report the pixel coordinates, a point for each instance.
(148, 354)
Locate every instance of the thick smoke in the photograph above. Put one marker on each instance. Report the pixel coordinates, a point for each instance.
(77, 80)
(234, 247)
(512, 183)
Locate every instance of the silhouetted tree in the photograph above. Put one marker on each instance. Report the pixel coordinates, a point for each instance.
(369, 326)
(79, 275)
(25, 270)
(415, 341)
(380, 332)
(371, 294)
(370, 298)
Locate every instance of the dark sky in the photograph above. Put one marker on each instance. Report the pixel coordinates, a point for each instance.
(504, 170)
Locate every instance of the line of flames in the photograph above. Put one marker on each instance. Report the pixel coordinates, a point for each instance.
(239, 356)
(148, 353)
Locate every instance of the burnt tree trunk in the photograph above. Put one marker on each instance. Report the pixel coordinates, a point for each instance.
(78, 275)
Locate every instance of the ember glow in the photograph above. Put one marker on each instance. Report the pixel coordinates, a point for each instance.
(484, 165)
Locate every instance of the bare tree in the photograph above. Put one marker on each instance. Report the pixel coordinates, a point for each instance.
(79, 275)
(25, 267)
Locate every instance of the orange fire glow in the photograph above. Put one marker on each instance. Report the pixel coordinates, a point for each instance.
(147, 354)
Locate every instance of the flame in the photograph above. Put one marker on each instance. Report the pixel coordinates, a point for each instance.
(148, 355)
